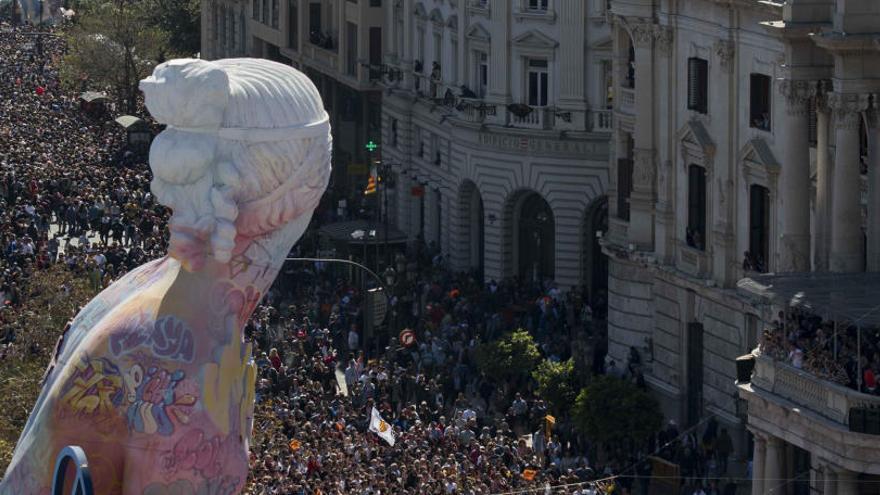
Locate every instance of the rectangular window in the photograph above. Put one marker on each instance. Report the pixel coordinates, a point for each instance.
(255, 9)
(265, 12)
(242, 42)
(399, 37)
(293, 24)
(756, 258)
(375, 52)
(216, 16)
(375, 3)
(813, 123)
(696, 229)
(315, 20)
(538, 82)
(482, 84)
(624, 187)
(453, 62)
(351, 44)
(698, 85)
(420, 47)
(759, 94)
(438, 49)
(539, 5)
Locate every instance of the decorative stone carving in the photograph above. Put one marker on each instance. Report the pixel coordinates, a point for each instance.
(643, 35)
(663, 36)
(153, 376)
(644, 170)
(847, 108)
(725, 51)
(798, 95)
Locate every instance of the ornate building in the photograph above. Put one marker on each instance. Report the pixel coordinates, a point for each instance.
(496, 123)
(337, 43)
(744, 142)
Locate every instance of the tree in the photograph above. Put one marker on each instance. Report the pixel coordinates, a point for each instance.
(611, 410)
(510, 358)
(181, 21)
(557, 384)
(113, 45)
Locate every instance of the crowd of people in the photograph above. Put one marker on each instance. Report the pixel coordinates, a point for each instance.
(73, 193)
(807, 341)
(457, 430)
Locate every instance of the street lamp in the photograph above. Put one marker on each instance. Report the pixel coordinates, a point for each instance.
(381, 287)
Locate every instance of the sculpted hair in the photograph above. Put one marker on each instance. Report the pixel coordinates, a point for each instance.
(245, 174)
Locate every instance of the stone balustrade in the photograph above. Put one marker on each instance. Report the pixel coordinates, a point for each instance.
(822, 397)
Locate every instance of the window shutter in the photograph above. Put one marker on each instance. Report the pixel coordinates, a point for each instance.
(703, 85)
(693, 82)
(624, 187)
(812, 123)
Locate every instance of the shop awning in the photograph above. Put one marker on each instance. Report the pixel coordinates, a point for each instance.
(361, 231)
(845, 297)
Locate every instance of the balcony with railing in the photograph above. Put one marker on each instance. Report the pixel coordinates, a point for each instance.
(601, 121)
(839, 404)
(522, 115)
(474, 110)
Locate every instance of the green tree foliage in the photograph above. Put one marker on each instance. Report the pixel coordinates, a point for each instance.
(557, 384)
(53, 297)
(611, 410)
(181, 20)
(509, 358)
(113, 45)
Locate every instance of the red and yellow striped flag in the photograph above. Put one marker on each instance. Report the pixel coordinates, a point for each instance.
(371, 186)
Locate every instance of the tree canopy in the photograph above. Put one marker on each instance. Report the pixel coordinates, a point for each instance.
(113, 44)
(509, 358)
(613, 410)
(557, 384)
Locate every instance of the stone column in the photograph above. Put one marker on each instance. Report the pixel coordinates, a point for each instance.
(847, 482)
(773, 467)
(758, 463)
(406, 58)
(795, 252)
(823, 187)
(830, 481)
(641, 223)
(499, 61)
(571, 54)
(873, 222)
(847, 245)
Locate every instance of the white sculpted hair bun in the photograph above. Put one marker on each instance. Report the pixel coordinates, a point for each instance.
(257, 128)
(187, 92)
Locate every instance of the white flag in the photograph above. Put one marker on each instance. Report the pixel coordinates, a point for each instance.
(381, 428)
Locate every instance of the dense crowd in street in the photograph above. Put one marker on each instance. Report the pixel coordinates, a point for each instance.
(70, 190)
(72, 193)
(457, 430)
(807, 341)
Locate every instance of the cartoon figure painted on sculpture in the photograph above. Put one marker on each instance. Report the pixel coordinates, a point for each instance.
(153, 379)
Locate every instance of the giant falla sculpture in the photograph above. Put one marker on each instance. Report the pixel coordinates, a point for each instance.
(153, 379)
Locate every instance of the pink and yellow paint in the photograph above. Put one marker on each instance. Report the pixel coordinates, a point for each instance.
(153, 378)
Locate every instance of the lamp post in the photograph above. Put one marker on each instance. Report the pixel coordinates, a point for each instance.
(368, 301)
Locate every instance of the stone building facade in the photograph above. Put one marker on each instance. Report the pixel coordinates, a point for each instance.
(496, 122)
(337, 43)
(744, 141)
